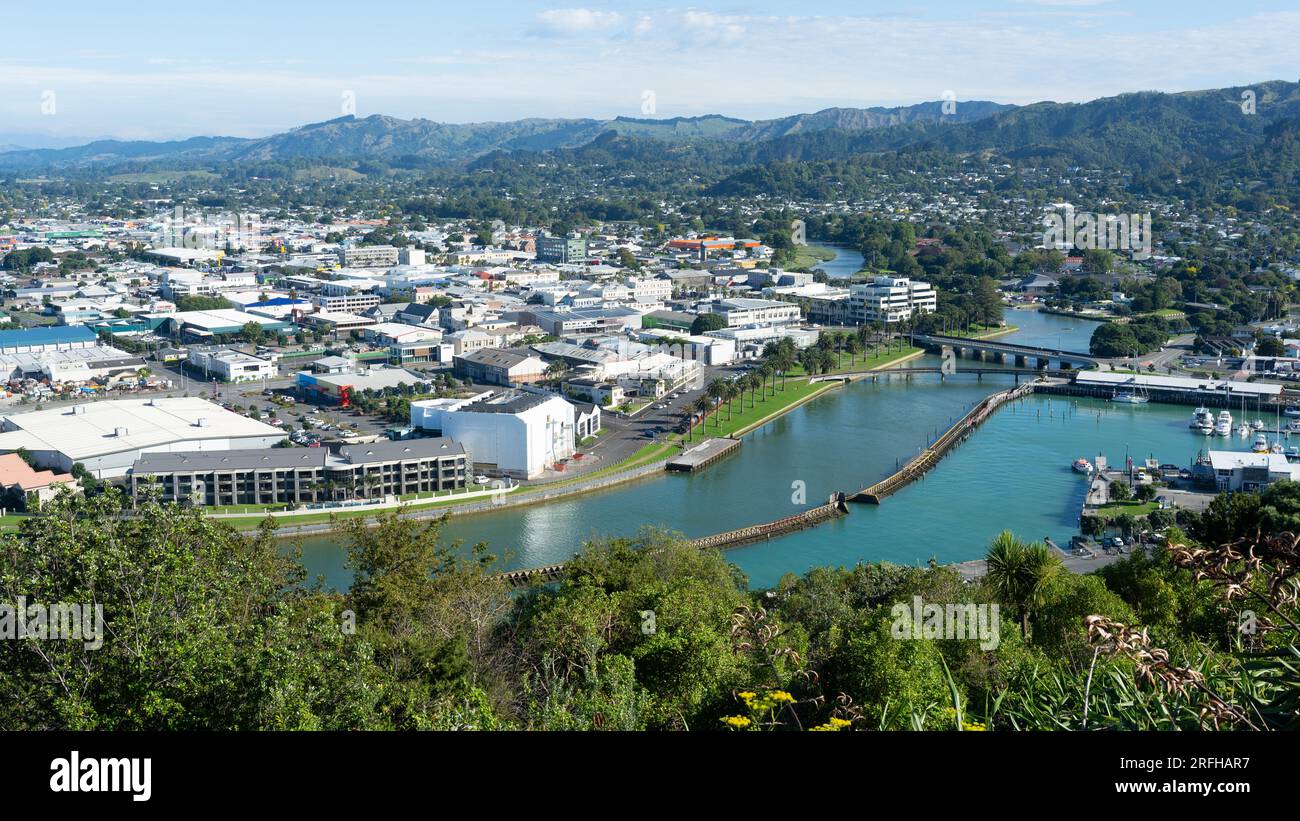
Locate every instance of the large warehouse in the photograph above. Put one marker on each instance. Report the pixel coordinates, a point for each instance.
(107, 437)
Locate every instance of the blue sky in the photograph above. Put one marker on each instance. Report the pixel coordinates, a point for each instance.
(164, 70)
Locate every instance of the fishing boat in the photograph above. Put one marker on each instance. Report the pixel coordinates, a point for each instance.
(1223, 427)
(1261, 444)
(1083, 466)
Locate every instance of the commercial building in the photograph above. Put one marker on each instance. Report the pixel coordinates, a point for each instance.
(582, 320)
(69, 365)
(368, 256)
(339, 388)
(890, 299)
(353, 303)
(107, 437)
(230, 365)
(35, 340)
(1250, 472)
(492, 366)
(741, 313)
(298, 475)
(561, 250)
(507, 433)
(198, 326)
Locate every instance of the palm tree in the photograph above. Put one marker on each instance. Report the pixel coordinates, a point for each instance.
(766, 372)
(556, 369)
(702, 406)
(1018, 574)
(716, 388)
(371, 481)
(750, 382)
(729, 392)
(854, 346)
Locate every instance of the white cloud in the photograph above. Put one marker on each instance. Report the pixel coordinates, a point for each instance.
(574, 21)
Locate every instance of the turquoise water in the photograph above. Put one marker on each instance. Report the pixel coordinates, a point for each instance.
(1013, 473)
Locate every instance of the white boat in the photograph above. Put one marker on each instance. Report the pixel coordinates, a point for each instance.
(1136, 396)
(1202, 420)
(1261, 444)
(1223, 427)
(1258, 424)
(1293, 411)
(1082, 466)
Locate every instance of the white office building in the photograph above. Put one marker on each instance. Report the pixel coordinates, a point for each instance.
(891, 299)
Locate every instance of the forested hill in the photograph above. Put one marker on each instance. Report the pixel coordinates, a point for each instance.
(420, 141)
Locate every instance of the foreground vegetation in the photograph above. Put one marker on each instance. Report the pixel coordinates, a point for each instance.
(209, 628)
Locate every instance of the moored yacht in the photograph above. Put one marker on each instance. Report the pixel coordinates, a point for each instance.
(1261, 444)
(1223, 427)
(1202, 420)
(1083, 466)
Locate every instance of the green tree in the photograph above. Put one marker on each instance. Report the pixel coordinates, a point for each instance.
(1018, 573)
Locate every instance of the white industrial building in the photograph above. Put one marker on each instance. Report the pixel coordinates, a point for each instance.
(506, 433)
(107, 437)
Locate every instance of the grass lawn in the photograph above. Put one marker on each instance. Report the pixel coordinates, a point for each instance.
(806, 256)
(978, 331)
(848, 364)
(1134, 509)
(719, 425)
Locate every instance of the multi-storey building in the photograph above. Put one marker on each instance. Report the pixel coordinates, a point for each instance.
(890, 299)
(368, 256)
(298, 475)
(346, 303)
(742, 312)
(561, 249)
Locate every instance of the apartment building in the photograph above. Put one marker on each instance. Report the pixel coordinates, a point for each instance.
(890, 299)
(299, 475)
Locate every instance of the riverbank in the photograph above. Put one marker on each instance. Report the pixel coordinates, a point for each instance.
(648, 462)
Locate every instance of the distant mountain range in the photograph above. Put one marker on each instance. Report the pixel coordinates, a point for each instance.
(1146, 133)
(383, 138)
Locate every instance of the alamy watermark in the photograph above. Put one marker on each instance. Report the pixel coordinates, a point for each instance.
(61, 621)
(954, 620)
(1085, 230)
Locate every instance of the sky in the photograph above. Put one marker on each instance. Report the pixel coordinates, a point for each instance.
(149, 70)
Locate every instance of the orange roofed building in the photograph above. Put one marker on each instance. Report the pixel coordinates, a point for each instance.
(16, 474)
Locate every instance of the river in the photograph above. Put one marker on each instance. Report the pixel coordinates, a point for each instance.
(1014, 473)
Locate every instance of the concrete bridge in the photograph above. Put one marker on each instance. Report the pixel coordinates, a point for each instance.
(993, 350)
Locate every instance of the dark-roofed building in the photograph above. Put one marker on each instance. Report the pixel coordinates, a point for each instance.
(494, 366)
(299, 475)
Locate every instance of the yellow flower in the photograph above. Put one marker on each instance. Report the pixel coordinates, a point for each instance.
(746, 695)
(973, 726)
(736, 722)
(837, 723)
(781, 697)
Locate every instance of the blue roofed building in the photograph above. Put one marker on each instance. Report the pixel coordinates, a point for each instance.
(50, 338)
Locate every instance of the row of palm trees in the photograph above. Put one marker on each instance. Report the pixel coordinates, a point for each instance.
(778, 358)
